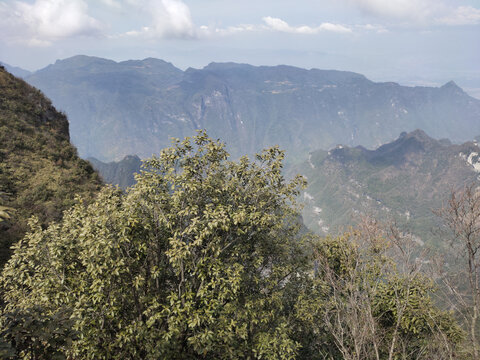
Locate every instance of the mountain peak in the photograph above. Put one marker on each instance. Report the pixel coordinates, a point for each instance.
(396, 152)
(451, 86)
(25, 99)
(83, 60)
(418, 135)
(225, 66)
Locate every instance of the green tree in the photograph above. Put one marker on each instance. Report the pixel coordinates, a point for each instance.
(202, 258)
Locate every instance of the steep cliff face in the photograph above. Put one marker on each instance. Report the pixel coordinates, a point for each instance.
(40, 172)
(134, 107)
(403, 181)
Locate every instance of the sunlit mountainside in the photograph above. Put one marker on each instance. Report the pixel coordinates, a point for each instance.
(40, 171)
(134, 107)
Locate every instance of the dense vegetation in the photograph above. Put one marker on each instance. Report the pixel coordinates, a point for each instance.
(204, 259)
(40, 172)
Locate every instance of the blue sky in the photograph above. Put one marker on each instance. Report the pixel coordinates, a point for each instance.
(409, 41)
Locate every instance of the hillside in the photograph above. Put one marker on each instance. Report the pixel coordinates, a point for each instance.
(402, 181)
(134, 107)
(40, 172)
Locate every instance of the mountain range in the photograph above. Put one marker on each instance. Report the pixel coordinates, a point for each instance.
(134, 107)
(402, 181)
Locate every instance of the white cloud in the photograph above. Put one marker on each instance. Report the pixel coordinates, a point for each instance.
(170, 19)
(376, 28)
(400, 9)
(463, 15)
(45, 21)
(209, 31)
(112, 3)
(427, 12)
(272, 24)
(277, 24)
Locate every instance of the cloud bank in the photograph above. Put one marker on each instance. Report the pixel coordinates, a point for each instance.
(169, 19)
(463, 15)
(427, 12)
(45, 21)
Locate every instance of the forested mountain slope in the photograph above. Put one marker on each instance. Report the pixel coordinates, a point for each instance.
(134, 107)
(40, 172)
(403, 181)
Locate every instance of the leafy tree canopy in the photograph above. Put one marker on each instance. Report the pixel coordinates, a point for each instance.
(194, 261)
(204, 258)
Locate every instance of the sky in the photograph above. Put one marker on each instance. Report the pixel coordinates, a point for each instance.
(413, 42)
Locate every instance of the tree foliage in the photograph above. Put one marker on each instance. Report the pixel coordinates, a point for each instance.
(193, 262)
(204, 258)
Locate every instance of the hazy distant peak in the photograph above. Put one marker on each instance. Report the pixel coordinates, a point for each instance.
(451, 83)
(152, 62)
(15, 70)
(343, 73)
(390, 84)
(452, 86)
(227, 66)
(131, 158)
(98, 64)
(82, 60)
(393, 153)
(412, 142)
(417, 134)
(423, 141)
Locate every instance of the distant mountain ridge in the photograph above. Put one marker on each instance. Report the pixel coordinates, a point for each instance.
(119, 173)
(403, 181)
(15, 70)
(134, 107)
